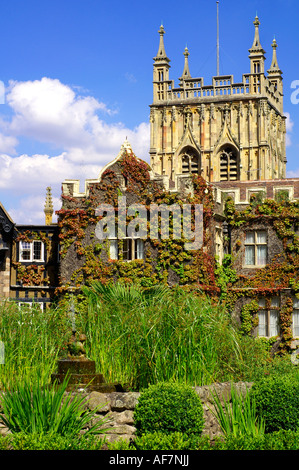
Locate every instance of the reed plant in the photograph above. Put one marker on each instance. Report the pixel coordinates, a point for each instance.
(136, 336)
(142, 337)
(237, 415)
(32, 341)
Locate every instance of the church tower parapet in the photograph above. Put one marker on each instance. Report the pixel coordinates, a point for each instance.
(225, 131)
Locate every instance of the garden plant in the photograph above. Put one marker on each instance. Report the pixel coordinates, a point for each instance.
(143, 337)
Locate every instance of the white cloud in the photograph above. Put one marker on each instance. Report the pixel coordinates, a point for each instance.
(289, 129)
(130, 77)
(50, 112)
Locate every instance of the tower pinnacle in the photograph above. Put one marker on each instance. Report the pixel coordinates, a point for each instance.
(257, 53)
(161, 51)
(48, 208)
(274, 68)
(256, 42)
(161, 70)
(186, 72)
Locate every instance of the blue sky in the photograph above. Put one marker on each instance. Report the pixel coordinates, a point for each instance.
(77, 80)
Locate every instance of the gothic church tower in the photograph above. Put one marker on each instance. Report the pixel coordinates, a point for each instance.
(225, 131)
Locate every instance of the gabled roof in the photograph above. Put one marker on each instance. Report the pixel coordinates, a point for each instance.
(6, 222)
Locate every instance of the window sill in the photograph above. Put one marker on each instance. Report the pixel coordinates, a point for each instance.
(31, 261)
(254, 266)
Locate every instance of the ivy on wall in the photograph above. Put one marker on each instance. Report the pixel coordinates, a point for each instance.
(84, 258)
(281, 273)
(166, 261)
(32, 274)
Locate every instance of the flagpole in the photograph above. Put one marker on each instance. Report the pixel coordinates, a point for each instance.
(217, 38)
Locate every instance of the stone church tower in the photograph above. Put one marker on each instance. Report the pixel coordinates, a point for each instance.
(225, 131)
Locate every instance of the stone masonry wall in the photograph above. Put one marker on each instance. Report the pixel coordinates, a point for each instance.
(119, 406)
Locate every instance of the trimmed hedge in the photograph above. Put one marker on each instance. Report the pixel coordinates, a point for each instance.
(49, 441)
(169, 407)
(277, 401)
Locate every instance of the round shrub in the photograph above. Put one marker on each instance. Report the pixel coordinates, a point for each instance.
(277, 401)
(169, 407)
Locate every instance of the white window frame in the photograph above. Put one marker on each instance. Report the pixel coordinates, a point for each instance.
(30, 248)
(255, 244)
(269, 309)
(133, 249)
(295, 318)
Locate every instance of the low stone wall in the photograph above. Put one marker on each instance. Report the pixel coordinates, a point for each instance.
(120, 406)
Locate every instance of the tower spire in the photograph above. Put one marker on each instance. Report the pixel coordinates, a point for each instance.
(48, 208)
(161, 70)
(275, 75)
(161, 51)
(256, 42)
(186, 71)
(274, 68)
(257, 53)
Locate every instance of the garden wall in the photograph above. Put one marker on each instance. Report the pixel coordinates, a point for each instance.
(120, 407)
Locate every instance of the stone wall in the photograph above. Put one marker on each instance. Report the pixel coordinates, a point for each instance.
(4, 277)
(119, 406)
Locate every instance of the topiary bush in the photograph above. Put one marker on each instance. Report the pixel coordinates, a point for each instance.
(277, 401)
(169, 407)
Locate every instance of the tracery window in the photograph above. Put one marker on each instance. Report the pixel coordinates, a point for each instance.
(190, 162)
(228, 164)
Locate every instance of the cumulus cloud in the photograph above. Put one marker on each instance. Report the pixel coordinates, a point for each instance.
(50, 112)
(289, 129)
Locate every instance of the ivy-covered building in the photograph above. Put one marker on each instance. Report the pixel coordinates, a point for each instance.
(220, 148)
(29, 259)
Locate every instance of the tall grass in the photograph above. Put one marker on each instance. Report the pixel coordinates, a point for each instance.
(136, 337)
(162, 335)
(32, 341)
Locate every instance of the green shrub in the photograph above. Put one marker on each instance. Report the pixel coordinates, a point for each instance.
(6, 442)
(168, 408)
(160, 441)
(240, 442)
(49, 441)
(279, 440)
(277, 402)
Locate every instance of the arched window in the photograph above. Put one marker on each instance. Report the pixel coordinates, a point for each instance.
(228, 164)
(190, 161)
